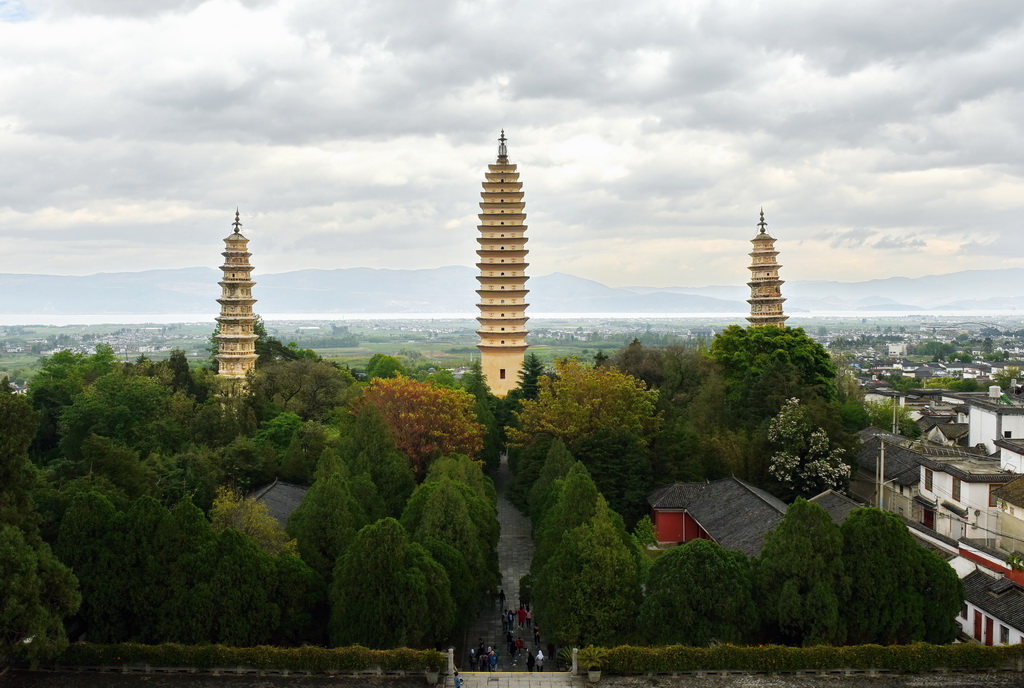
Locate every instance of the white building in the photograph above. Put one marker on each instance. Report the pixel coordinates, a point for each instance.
(995, 416)
(956, 495)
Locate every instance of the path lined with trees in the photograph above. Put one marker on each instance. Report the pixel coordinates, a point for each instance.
(515, 551)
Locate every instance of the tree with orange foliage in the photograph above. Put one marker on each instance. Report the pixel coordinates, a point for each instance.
(426, 421)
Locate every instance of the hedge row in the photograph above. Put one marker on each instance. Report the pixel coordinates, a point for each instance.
(309, 658)
(914, 658)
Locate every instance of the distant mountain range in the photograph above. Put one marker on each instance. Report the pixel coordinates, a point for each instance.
(452, 290)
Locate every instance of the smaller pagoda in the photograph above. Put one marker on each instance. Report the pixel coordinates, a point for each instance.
(236, 341)
(765, 286)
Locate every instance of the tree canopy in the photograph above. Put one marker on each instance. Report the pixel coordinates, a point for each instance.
(698, 593)
(426, 421)
(579, 400)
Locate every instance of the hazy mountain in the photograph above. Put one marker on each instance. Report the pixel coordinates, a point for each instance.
(452, 290)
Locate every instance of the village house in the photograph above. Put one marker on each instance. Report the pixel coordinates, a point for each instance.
(995, 416)
(993, 613)
(731, 512)
(956, 492)
(1009, 499)
(945, 489)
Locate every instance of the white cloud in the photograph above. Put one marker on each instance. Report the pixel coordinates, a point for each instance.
(880, 139)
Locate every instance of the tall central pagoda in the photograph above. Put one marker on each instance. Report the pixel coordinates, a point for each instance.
(502, 276)
(765, 286)
(236, 342)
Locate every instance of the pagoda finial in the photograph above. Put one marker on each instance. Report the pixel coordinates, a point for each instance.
(237, 224)
(502, 150)
(762, 224)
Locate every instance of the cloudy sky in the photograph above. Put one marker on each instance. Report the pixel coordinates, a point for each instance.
(882, 138)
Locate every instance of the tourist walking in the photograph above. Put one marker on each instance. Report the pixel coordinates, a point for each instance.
(540, 660)
(522, 615)
(530, 661)
(501, 598)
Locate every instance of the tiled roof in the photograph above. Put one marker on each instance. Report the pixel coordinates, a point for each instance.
(1013, 445)
(970, 469)
(954, 431)
(281, 498)
(1007, 606)
(837, 505)
(901, 464)
(736, 514)
(1012, 492)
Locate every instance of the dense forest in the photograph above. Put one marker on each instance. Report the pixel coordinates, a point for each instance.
(126, 515)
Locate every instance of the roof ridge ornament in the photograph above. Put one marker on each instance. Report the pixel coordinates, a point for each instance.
(502, 149)
(237, 224)
(762, 224)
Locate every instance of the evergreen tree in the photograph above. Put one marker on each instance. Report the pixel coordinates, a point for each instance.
(529, 376)
(588, 591)
(884, 563)
(621, 467)
(325, 523)
(943, 592)
(699, 593)
(575, 505)
(243, 613)
(801, 582)
(388, 592)
(494, 442)
(36, 593)
(557, 465)
(452, 513)
(370, 448)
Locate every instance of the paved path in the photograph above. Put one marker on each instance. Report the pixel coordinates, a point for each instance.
(515, 551)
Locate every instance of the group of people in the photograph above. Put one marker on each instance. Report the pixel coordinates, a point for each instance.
(485, 658)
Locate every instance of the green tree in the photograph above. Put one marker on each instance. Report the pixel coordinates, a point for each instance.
(301, 596)
(699, 593)
(326, 521)
(382, 365)
(244, 465)
(621, 466)
(243, 612)
(369, 448)
(36, 593)
(529, 377)
(63, 376)
(943, 592)
(18, 424)
(557, 465)
(134, 411)
(883, 562)
(451, 512)
(881, 416)
(388, 592)
(589, 589)
(804, 461)
(801, 579)
(232, 509)
(277, 433)
(565, 406)
(771, 364)
(312, 389)
(494, 441)
(576, 504)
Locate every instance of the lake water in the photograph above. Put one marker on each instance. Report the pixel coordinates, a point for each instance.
(170, 318)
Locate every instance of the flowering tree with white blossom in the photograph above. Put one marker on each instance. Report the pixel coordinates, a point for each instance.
(804, 460)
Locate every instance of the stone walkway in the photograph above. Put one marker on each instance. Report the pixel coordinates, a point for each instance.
(515, 551)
